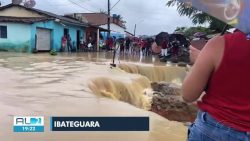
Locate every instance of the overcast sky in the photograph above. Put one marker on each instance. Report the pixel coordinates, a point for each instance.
(151, 16)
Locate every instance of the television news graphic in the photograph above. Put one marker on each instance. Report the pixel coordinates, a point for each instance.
(28, 124)
(99, 123)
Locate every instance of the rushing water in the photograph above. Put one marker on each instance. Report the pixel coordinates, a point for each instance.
(74, 85)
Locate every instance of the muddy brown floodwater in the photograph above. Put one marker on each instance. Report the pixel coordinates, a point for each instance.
(74, 85)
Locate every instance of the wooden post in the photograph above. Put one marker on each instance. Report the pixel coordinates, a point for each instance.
(98, 39)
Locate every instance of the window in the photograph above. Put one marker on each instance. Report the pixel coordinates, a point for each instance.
(3, 31)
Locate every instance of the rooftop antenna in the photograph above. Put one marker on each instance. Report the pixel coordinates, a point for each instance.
(29, 3)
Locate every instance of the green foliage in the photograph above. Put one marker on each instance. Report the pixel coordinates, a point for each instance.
(197, 17)
(53, 52)
(190, 31)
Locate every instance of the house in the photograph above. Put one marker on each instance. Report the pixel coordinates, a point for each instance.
(27, 29)
(128, 34)
(117, 26)
(91, 31)
(99, 26)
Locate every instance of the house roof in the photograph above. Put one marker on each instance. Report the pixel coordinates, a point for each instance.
(129, 33)
(51, 15)
(98, 19)
(28, 20)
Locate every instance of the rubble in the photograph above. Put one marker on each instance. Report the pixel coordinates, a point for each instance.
(167, 102)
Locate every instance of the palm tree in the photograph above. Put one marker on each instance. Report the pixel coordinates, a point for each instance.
(197, 16)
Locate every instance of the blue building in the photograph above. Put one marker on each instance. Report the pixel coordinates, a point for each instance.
(27, 29)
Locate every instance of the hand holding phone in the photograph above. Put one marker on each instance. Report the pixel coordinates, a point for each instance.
(194, 53)
(198, 43)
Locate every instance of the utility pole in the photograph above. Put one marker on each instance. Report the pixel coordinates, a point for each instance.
(108, 18)
(134, 29)
(136, 25)
(114, 52)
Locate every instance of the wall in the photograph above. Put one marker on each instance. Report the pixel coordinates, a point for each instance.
(19, 12)
(47, 25)
(116, 31)
(21, 37)
(115, 28)
(73, 32)
(91, 32)
(57, 32)
(18, 37)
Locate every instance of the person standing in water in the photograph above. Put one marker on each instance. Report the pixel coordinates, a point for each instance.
(64, 43)
(69, 44)
(221, 71)
(127, 45)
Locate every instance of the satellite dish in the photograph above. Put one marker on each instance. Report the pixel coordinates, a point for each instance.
(17, 1)
(29, 3)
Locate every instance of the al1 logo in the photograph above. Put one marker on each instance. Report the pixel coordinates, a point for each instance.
(28, 124)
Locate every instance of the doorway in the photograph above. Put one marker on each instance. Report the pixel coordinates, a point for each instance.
(78, 33)
(43, 40)
(66, 31)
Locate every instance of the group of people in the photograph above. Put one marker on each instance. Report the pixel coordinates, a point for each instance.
(172, 48)
(67, 44)
(129, 45)
(171, 45)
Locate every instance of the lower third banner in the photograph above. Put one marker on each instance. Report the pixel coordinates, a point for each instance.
(99, 123)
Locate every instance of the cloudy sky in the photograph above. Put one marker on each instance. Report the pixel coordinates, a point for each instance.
(151, 16)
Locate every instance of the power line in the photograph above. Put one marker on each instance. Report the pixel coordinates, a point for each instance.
(115, 4)
(89, 5)
(81, 6)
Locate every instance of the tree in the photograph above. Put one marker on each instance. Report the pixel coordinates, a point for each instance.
(180, 29)
(197, 17)
(103, 11)
(190, 31)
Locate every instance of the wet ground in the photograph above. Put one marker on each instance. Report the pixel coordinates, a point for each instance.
(64, 85)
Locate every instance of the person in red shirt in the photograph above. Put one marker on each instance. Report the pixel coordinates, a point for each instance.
(220, 71)
(143, 45)
(107, 44)
(111, 43)
(64, 42)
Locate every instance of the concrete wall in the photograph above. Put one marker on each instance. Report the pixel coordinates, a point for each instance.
(57, 32)
(19, 12)
(116, 31)
(73, 33)
(115, 28)
(18, 37)
(22, 37)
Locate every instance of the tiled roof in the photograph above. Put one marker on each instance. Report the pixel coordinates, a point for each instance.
(100, 19)
(52, 15)
(23, 19)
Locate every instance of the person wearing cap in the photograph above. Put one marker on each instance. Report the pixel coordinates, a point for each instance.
(221, 71)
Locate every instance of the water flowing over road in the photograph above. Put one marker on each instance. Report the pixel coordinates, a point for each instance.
(79, 85)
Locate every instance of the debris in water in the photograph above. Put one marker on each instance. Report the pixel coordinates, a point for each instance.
(167, 102)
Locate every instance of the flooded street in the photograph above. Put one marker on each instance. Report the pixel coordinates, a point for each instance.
(74, 85)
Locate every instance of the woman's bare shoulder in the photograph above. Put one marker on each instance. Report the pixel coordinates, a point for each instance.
(215, 49)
